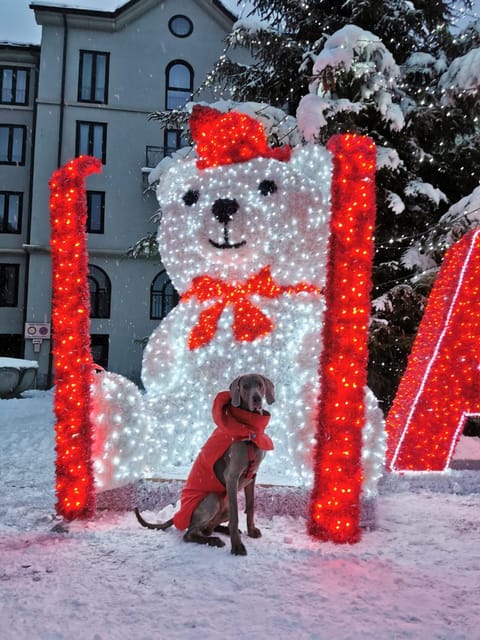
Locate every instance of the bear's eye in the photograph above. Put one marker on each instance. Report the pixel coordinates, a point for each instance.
(190, 197)
(266, 187)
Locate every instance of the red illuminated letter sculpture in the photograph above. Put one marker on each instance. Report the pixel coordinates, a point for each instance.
(335, 499)
(441, 384)
(71, 338)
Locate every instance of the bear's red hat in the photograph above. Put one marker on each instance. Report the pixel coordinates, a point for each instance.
(228, 138)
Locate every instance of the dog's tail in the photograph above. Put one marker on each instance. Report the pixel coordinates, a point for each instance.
(151, 525)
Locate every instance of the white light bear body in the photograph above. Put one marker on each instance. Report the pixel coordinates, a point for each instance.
(233, 224)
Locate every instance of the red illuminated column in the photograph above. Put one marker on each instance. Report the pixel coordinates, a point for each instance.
(71, 338)
(441, 384)
(335, 498)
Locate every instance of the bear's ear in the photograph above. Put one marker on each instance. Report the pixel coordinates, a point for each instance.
(172, 171)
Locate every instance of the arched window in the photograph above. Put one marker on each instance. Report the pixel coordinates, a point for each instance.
(179, 84)
(100, 292)
(163, 296)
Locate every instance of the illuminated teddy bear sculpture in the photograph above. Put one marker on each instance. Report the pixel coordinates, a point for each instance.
(243, 236)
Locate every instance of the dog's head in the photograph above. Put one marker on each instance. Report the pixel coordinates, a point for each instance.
(233, 219)
(249, 390)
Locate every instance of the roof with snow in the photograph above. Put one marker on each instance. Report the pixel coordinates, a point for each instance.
(113, 8)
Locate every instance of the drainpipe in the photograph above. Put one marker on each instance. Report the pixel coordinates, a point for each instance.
(30, 198)
(62, 91)
(59, 150)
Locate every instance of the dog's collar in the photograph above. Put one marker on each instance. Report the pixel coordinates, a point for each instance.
(240, 424)
(249, 321)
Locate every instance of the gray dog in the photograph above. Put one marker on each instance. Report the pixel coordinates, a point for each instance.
(223, 467)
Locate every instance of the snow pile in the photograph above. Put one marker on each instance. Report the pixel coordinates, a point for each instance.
(388, 158)
(415, 576)
(361, 51)
(251, 26)
(462, 75)
(395, 203)
(16, 375)
(94, 5)
(362, 58)
(18, 363)
(460, 217)
(425, 64)
(418, 187)
(415, 258)
(314, 111)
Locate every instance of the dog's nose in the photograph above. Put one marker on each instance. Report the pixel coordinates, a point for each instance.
(257, 399)
(224, 209)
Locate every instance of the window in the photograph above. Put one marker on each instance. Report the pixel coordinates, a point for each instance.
(173, 139)
(153, 155)
(99, 347)
(163, 296)
(100, 292)
(91, 140)
(14, 85)
(10, 212)
(95, 211)
(11, 345)
(180, 26)
(179, 84)
(93, 77)
(9, 284)
(12, 144)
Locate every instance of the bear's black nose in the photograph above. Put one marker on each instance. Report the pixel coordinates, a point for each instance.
(224, 209)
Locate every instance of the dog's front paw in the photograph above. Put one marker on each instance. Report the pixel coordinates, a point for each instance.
(215, 542)
(238, 548)
(253, 532)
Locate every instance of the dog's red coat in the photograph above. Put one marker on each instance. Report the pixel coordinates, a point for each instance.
(233, 424)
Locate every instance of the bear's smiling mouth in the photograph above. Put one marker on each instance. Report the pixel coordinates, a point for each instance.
(227, 244)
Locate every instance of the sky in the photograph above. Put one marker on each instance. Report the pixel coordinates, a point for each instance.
(17, 21)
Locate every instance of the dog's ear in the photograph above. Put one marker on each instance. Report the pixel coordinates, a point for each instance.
(235, 392)
(269, 390)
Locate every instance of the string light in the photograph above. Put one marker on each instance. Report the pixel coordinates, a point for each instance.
(440, 386)
(226, 138)
(249, 322)
(335, 499)
(71, 338)
(246, 246)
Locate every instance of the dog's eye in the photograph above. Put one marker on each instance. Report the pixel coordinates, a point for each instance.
(266, 187)
(190, 197)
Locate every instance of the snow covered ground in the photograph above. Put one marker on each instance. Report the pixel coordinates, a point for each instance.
(416, 576)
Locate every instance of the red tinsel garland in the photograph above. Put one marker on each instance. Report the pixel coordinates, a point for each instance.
(441, 384)
(71, 338)
(335, 498)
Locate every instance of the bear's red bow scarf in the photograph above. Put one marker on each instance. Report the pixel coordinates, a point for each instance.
(249, 322)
